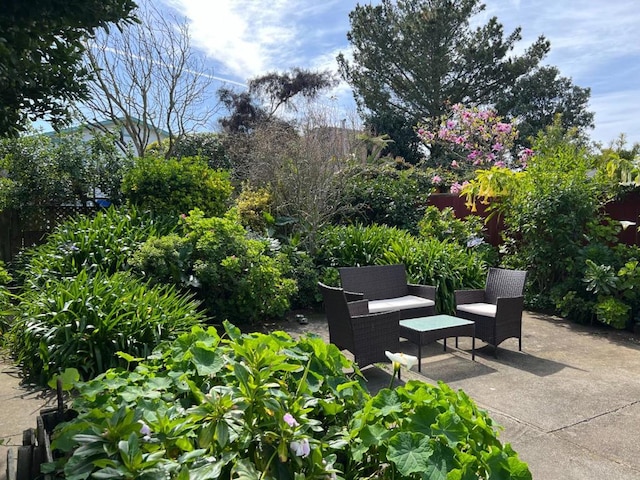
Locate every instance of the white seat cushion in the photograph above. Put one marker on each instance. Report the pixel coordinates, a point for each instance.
(399, 303)
(484, 309)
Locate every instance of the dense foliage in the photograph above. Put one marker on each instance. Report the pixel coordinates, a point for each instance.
(238, 277)
(83, 321)
(49, 170)
(102, 243)
(172, 186)
(42, 46)
(384, 195)
(266, 406)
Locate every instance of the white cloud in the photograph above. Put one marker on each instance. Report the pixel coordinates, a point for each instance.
(248, 38)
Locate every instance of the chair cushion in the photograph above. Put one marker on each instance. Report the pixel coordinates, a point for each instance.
(399, 303)
(484, 309)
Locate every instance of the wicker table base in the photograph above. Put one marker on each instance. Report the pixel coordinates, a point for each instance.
(424, 330)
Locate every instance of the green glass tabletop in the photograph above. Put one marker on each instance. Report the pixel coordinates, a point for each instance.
(435, 322)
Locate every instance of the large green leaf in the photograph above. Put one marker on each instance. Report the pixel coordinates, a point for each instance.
(207, 360)
(410, 452)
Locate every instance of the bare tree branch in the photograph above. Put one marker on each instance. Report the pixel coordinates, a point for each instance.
(149, 81)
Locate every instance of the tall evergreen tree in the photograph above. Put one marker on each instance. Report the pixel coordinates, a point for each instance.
(414, 58)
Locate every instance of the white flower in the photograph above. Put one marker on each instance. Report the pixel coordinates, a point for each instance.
(474, 242)
(301, 448)
(402, 359)
(626, 224)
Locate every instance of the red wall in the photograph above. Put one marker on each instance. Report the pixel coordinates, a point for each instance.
(625, 208)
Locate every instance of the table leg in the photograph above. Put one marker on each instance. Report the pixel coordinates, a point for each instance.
(473, 347)
(444, 340)
(420, 356)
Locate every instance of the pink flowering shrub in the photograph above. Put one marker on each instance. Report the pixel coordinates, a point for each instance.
(476, 137)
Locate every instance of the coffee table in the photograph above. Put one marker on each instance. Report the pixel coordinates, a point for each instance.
(425, 330)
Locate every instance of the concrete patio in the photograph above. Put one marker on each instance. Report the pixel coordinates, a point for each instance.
(569, 402)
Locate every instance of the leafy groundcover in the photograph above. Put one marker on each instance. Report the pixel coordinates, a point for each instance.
(255, 406)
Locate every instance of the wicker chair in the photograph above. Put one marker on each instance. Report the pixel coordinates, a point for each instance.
(351, 327)
(496, 310)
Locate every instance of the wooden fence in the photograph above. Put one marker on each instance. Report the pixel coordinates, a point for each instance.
(626, 208)
(25, 228)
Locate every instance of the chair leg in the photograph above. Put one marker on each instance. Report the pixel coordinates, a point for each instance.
(520, 343)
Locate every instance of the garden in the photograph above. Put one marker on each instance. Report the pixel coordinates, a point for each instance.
(148, 308)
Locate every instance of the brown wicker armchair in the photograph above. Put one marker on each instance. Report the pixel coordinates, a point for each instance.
(351, 327)
(496, 310)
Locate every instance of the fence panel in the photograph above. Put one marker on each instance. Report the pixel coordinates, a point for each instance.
(27, 228)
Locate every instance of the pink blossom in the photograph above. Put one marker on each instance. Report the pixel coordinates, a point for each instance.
(455, 188)
(436, 179)
(500, 164)
(503, 127)
(454, 164)
(496, 147)
(525, 153)
(288, 418)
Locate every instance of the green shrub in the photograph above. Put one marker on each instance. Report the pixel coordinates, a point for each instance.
(238, 278)
(305, 274)
(384, 195)
(613, 312)
(171, 186)
(5, 278)
(104, 242)
(444, 225)
(266, 406)
(84, 321)
(553, 213)
(445, 265)
(207, 146)
(254, 207)
(164, 259)
(62, 169)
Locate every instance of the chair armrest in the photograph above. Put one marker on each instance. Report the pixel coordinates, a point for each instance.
(353, 296)
(468, 296)
(509, 309)
(424, 291)
(375, 329)
(359, 307)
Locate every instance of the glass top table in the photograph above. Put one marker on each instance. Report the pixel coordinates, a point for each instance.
(424, 330)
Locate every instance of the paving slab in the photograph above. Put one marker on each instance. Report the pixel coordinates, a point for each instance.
(19, 408)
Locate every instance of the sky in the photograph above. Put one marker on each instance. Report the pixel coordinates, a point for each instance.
(594, 42)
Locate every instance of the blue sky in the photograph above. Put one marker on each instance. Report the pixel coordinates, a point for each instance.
(595, 42)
